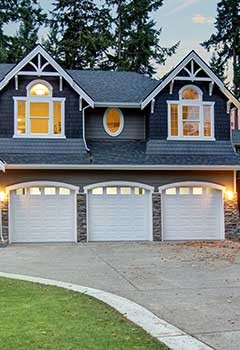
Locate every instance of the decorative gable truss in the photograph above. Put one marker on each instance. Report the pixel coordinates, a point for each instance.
(39, 63)
(192, 69)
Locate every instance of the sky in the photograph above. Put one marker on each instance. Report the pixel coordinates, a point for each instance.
(188, 21)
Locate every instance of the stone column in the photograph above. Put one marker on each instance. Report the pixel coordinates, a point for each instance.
(231, 213)
(81, 217)
(4, 206)
(157, 220)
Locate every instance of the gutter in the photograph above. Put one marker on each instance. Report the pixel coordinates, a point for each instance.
(120, 167)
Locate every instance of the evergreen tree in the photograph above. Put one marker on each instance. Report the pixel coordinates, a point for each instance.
(30, 18)
(226, 40)
(80, 33)
(7, 14)
(137, 41)
(218, 66)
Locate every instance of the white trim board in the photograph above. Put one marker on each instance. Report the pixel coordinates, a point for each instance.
(40, 50)
(166, 333)
(195, 57)
(121, 167)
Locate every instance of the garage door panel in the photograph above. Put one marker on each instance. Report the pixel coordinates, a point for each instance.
(118, 217)
(193, 217)
(42, 218)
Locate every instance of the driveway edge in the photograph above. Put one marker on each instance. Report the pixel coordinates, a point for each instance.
(172, 336)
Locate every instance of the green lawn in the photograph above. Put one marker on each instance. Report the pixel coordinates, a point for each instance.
(36, 317)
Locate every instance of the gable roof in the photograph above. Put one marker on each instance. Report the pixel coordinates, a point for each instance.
(14, 69)
(192, 56)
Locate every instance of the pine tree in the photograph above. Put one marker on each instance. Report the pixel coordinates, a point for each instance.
(7, 14)
(80, 33)
(30, 18)
(137, 40)
(226, 41)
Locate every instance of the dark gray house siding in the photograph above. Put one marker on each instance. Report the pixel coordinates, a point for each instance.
(158, 121)
(73, 117)
(134, 125)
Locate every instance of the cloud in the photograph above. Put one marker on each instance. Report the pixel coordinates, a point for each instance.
(200, 19)
(182, 5)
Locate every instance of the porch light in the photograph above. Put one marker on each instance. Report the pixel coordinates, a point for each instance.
(230, 195)
(2, 196)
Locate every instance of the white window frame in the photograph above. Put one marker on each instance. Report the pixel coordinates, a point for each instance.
(191, 103)
(45, 99)
(113, 134)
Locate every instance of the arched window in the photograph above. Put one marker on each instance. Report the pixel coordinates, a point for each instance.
(190, 93)
(39, 114)
(113, 121)
(190, 117)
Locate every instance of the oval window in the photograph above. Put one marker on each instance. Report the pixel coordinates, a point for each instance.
(113, 121)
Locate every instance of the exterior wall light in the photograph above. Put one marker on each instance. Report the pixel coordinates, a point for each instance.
(2, 196)
(230, 195)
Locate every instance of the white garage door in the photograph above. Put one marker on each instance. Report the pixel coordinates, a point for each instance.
(192, 213)
(42, 214)
(119, 214)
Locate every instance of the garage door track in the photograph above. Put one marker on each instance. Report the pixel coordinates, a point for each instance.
(195, 287)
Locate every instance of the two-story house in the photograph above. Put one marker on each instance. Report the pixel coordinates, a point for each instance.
(115, 156)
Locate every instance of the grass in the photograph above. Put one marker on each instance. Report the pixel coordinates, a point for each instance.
(37, 317)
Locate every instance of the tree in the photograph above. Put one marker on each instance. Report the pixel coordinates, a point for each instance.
(137, 41)
(80, 33)
(226, 40)
(7, 14)
(30, 18)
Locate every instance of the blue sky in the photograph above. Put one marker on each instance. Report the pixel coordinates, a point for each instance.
(190, 21)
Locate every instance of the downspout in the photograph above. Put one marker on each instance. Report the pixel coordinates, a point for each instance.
(2, 168)
(83, 127)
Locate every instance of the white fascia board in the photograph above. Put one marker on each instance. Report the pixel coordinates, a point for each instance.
(120, 167)
(40, 50)
(192, 56)
(118, 104)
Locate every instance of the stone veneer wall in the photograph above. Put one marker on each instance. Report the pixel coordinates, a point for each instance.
(5, 219)
(232, 219)
(81, 217)
(157, 220)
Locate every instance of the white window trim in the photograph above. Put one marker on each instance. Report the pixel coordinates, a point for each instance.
(113, 134)
(39, 81)
(49, 99)
(197, 103)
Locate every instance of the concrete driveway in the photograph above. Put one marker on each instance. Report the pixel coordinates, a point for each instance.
(196, 288)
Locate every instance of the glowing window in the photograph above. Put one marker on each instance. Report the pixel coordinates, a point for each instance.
(50, 191)
(113, 121)
(139, 191)
(21, 117)
(39, 114)
(171, 191)
(190, 94)
(39, 90)
(35, 191)
(20, 191)
(184, 190)
(64, 191)
(97, 190)
(125, 190)
(111, 190)
(197, 191)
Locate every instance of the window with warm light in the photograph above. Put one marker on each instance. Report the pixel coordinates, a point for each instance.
(39, 114)
(190, 117)
(113, 121)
